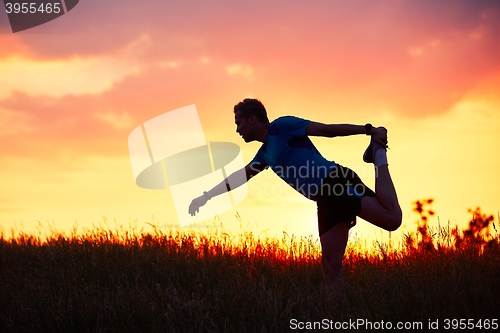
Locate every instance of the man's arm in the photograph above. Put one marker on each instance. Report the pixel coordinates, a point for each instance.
(331, 130)
(236, 179)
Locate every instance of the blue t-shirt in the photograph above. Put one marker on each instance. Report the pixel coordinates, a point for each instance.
(292, 156)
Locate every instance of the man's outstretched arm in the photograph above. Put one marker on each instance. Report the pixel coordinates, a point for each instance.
(236, 179)
(378, 134)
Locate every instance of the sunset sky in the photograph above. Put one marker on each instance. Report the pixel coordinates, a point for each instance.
(73, 89)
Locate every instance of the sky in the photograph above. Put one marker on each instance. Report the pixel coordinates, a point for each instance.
(73, 89)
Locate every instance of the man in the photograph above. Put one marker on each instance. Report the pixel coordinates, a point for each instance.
(339, 193)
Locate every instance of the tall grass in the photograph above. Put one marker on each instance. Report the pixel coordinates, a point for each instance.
(133, 281)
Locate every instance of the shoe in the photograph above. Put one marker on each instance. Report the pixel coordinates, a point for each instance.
(369, 154)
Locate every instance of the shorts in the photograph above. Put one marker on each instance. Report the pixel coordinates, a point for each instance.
(340, 198)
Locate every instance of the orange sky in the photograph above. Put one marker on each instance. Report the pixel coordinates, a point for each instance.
(73, 89)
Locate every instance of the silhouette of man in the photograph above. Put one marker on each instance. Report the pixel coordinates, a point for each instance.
(338, 191)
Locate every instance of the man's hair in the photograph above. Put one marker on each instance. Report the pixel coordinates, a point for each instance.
(251, 106)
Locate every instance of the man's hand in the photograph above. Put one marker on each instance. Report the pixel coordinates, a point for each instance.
(379, 136)
(195, 205)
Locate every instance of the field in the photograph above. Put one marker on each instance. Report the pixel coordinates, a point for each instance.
(132, 281)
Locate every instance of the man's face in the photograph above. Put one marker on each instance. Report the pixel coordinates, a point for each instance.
(245, 126)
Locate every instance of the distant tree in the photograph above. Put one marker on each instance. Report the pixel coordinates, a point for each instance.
(477, 233)
(479, 225)
(425, 242)
(476, 237)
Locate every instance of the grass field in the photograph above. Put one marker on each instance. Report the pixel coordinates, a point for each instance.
(126, 281)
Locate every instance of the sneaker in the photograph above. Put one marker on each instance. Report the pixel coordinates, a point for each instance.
(369, 154)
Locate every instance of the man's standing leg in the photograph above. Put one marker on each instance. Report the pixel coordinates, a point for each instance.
(333, 244)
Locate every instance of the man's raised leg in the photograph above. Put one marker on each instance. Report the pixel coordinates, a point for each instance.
(383, 210)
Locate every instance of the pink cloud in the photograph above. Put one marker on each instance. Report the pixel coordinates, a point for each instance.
(100, 124)
(414, 58)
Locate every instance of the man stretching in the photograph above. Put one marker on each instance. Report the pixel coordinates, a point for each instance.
(338, 191)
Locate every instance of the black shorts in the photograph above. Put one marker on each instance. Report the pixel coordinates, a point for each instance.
(340, 198)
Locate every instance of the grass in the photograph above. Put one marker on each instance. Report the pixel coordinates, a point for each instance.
(125, 281)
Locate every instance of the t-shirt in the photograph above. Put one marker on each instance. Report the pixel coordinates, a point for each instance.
(292, 156)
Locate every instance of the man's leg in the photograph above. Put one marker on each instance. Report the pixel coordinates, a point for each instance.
(333, 244)
(383, 210)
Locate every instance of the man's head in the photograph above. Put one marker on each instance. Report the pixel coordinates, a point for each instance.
(252, 106)
(251, 119)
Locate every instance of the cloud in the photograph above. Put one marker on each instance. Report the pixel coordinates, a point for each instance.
(76, 76)
(205, 60)
(241, 70)
(12, 46)
(117, 120)
(44, 125)
(14, 123)
(137, 59)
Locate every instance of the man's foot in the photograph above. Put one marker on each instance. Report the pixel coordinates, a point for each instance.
(369, 155)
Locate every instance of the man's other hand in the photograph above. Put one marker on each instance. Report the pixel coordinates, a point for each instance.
(379, 136)
(195, 205)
